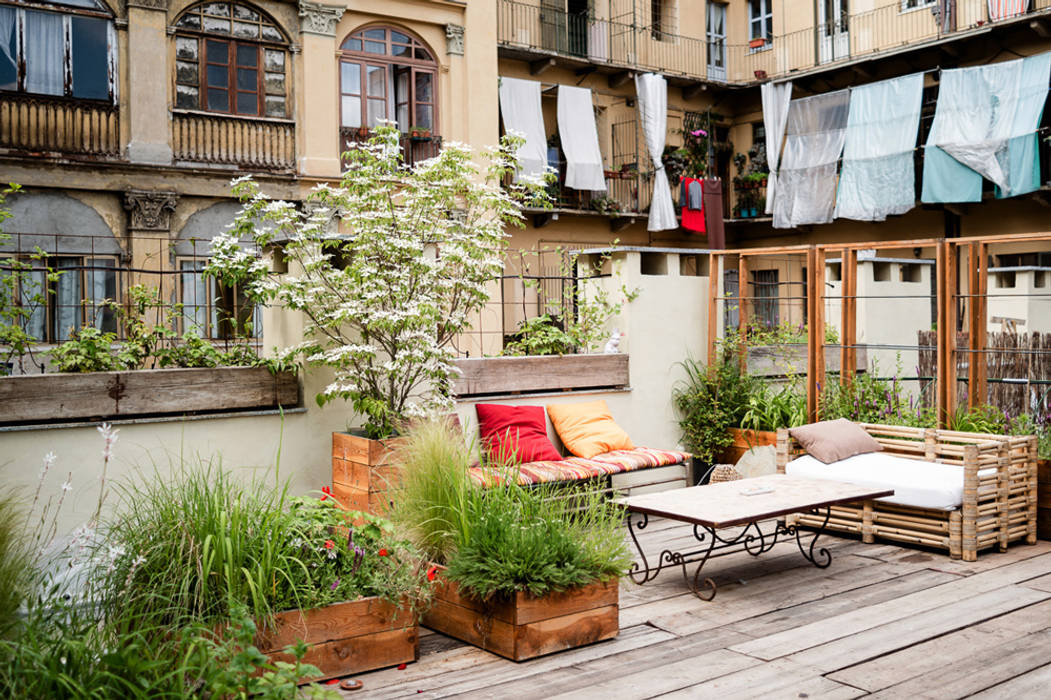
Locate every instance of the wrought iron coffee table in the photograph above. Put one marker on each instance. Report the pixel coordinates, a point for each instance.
(729, 504)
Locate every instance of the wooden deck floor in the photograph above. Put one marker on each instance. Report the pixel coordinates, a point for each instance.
(882, 621)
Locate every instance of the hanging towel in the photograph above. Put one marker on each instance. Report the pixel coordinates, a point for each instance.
(878, 177)
(576, 127)
(522, 113)
(817, 127)
(652, 92)
(713, 213)
(985, 118)
(1003, 9)
(776, 99)
(693, 205)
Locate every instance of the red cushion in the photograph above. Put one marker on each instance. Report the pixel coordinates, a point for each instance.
(514, 433)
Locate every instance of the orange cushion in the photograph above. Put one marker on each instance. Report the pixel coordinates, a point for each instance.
(588, 429)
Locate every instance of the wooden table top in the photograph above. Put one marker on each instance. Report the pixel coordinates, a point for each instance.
(725, 504)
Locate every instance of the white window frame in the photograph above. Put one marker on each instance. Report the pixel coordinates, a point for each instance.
(67, 57)
(764, 20)
(918, 5)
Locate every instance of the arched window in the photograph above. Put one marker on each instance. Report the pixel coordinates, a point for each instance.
(387, 74)
(230, 58)
(61, 47)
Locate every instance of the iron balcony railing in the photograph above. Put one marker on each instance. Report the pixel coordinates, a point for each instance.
(539, 29)
(413, 149)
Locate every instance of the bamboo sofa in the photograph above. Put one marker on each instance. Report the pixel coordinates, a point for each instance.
(999, 499)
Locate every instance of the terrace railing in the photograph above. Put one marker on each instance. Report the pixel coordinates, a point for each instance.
(242, 142)
(46, 125)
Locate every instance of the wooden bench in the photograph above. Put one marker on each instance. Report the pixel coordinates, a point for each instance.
(999, 491)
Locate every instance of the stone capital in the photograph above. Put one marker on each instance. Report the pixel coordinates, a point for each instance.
(454, 39)
(149, 211)
(316, 18)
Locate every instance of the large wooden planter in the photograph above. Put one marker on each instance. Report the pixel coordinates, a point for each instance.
(346, 638)
(1043, 499)
(361, 473)
(745, 440)
(525, 627)
(505, 375)
(34, 398)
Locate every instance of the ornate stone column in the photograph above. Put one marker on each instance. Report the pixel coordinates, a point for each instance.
(146, 242)
(317, 82)
(149, 137)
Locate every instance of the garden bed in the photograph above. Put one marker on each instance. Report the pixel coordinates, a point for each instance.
(96, 395)
(346, 638)
(524, 627)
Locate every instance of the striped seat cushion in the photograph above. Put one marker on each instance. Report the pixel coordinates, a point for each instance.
(578, 468)
(641, 458)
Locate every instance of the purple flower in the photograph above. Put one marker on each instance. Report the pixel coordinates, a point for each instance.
(698, 132)
(335, 584)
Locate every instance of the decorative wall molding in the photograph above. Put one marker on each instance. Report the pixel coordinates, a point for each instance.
(150, 211)
(149, 4)
(319, 19)
(454, 39)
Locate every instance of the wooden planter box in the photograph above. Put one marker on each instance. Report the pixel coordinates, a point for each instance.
(96, 395)
(506, 375)
(744, 440)
(1043, 499)
(361, 473)
(346, 638)
(525, 627)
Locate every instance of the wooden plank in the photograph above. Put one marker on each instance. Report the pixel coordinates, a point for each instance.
(505, 375)
(839, 626)
(742, 306)
(916, 628)
(1030, 685)
(714, 279)
(849, 321)
(49, 397)
(780, 678)
(666, 678)
(815, 282)
(554, 634)
(358, 654)
(933, 655)
(816, 326)
(485, 632)
(348, 619)
(991, 668)
(599, 595)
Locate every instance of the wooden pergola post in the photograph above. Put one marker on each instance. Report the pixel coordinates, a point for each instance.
(742, 310)
(946, 335)
(977, 312)
(714, 269)
(815, 329)
(849, 315)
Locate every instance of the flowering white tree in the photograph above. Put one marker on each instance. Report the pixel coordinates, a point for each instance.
(388, 267)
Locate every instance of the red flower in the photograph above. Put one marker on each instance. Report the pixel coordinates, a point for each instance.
(401, 667)
(325, 492)
(383, 552)
(329, 544)
(432, 573)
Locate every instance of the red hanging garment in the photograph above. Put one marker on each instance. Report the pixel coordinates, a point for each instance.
(693, 205)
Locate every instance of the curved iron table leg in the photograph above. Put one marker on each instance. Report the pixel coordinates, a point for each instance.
(823, 558)
(709, 589)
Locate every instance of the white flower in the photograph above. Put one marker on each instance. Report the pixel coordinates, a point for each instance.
(109, 436)
(66, 486)
(49, 461)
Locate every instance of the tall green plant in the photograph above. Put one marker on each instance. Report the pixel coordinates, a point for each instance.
(710, 401)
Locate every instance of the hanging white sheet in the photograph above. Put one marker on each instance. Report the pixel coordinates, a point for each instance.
(983, 116)
(652, 92)
(814, 138)
(576, 128)
(1002, 9)
(522, 113)
(878, 177)
(775, 116)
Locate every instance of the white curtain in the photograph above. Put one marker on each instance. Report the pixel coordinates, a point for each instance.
(7, 30)
(1002, 9)
(878, 177)
(981, 112)
(652, 92)
(598, 40)
(44, 53)
(817, 127)
(579, 135)
(522, 113)
(775, 115)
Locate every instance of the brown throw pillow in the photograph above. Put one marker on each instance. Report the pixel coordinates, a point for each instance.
(833, 440)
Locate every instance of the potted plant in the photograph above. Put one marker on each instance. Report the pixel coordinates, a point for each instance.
(185, 552)
(420, 133)
(388, 351)
(605, 205)
(477, 526)
(757, 43)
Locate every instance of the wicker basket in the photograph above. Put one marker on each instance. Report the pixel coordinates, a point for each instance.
(724, 472)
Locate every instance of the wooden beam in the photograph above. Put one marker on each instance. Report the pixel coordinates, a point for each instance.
(863, 70)
(957, 209)
(619, 223)
(849, 320)
(974, 360)
(714, 264)
(817, 328)
(543, 219)
(981, 323)
(617, 79)
(1038, 26)
(946, 291)
(538, 67)
(1043, 198)
(742, 310)
(812, 357)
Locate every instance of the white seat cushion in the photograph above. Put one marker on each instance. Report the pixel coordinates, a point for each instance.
(916, 483)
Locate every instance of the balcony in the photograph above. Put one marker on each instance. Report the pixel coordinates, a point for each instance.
(414, 149)
(44, 125)
(245, 143)
(530, 32)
